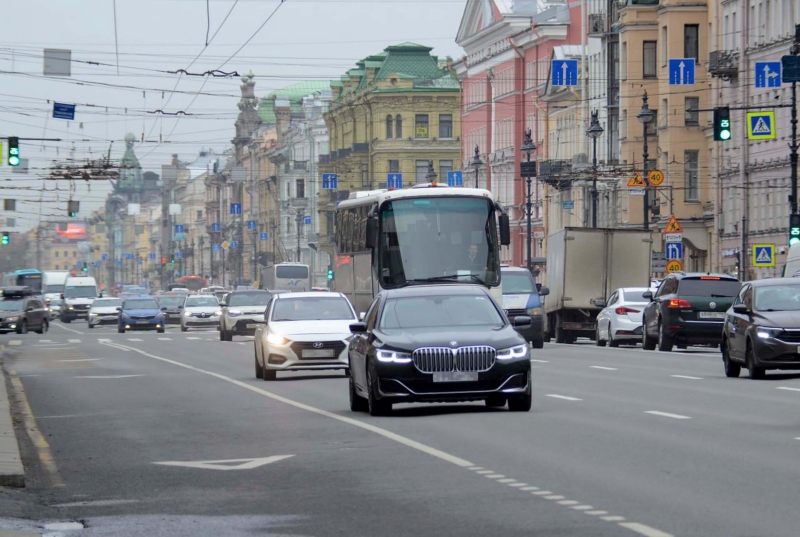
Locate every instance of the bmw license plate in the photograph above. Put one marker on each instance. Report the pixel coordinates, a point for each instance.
(711, 314)
(455, 376)
(317, 353)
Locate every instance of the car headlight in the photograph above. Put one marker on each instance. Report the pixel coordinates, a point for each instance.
(234, 313)
(92, 314)
(513, 352)
(277, 339)
(12, 319)
(71, 308)
(393, 356)
(534, 311)
(767, 333)
(188, 313)
(217, 313)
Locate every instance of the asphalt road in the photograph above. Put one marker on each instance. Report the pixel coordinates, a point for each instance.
(619, 442)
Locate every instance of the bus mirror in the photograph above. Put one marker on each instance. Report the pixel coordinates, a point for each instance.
(372, 232)
(505, 230)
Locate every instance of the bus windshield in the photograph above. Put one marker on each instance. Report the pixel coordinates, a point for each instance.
(438, 239)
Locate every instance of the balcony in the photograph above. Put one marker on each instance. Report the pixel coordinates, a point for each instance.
(598, 24)
(724, 64)
(360, 148)
(556, 173)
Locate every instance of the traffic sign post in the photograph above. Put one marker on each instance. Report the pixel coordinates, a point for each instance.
(681, 71)
(761, 126)
(394, 180)
(763, 255)
(564, 73)
(637, 185)
(330, 181)
(768, 74)
(264, 236)
(455, 178)
(63, 111)
(674, 265)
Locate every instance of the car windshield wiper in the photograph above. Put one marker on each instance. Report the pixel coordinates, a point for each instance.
(474, 278)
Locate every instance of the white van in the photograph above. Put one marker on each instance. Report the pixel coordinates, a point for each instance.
(79, 293)
(53, 284)
(792, 266)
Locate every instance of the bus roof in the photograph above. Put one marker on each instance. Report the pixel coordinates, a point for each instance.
(417, 191)
(28, 271)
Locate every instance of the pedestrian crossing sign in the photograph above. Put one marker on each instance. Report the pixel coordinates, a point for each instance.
(763, 255)
(761, 126)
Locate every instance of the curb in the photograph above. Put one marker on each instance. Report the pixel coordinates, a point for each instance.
(12, 473)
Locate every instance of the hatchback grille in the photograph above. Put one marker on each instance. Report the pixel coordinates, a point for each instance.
(438, 359)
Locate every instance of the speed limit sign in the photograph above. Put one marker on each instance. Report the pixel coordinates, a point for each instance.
(655, 177)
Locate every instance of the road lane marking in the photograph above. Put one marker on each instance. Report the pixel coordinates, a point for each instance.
(83, 360)
(134, 339)
(94, 503)
(526, 489)
(506, 480)
(67, 329)
(475, 468)
(45, 341)
(582, 507)
(73, 341)
(484, 472)
(641, 529)
(245, 464)
(517, 484)
(165, 339)
(192, 337)
(603, 368)
(540, 361)
(613, 518)
(596, 513)
(788, 388)
(685, 377)
(542, 493)
(447, 457)
(667, 415)
(15, 342)
(568, 502)
(494, 476)
(109, 376)
(554, 497)
(564, 397)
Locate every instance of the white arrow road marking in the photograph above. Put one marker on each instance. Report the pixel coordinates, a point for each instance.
(109, 377)
(246, 464)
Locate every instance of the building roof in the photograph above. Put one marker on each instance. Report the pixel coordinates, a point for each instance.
(294, 94)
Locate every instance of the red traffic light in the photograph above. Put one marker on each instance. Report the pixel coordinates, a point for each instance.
(163, 260)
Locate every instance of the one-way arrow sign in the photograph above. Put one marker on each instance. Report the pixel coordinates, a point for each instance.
(244, 464)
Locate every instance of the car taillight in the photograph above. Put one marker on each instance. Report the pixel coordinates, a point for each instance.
(622, 310)
(679, 303)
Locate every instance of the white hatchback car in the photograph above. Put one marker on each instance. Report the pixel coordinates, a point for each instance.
(200, 311)
(621, 319)
(303, 331)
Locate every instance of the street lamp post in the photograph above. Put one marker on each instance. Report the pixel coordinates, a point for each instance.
(594, 132)
(645, 117)
(476, 164)
(527, 148)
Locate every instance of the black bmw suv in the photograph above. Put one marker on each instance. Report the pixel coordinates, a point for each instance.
(687, 309)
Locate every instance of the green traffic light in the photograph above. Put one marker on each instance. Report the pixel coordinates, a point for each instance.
(5, 239)
(794, 240)
(330, 274)
(725, 135)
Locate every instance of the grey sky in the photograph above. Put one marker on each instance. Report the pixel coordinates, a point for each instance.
(306, 39)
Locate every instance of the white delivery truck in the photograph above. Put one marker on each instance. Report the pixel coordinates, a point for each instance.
(79, 293)
(586, 265)
(53, 284)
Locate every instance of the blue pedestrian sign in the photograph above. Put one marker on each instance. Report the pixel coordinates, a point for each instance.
(564, 73)
(215, 227)
(330, 181)
(215, 247)
(674, 250)
(763, 255)
(234, 244)
(63, 111)
(681, 71)
(455, 178)
(394, 180)
(252, 224)
(139, 261)
(179, 228)
(152, 255)
(104, 257)
(306, 220)
(768, 74)
(761, 126)
(179, 255)
(236, 208)
(264, 236)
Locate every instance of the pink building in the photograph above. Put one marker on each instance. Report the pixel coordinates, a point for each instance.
(509, 45)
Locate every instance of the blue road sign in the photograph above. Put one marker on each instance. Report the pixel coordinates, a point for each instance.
(674, 250)
(139, 261)
(564, 73)
(215, 227)
(64, 111)
(215, 247)
(98, 264)
(330, 181)
(681, 71)
(179, 255)
(252, 224)
(104, 257)
(234, 244)
(179, 228)
(768, 74)
(152, 255)
(455, 178)
(394, 180)
(119, 263)
(264, 236)
(568, 204)
(236, 208)
(306, 220)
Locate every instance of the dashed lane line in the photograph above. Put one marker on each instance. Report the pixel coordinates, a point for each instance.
(15, 342)
(540, 361)
(192, 337)
(667, 415)
(73, 341)
(45, 341)
(165, 339)
(564, 397)
(686, 377)
(604, 368)
(83, 360)
(67, 329)
(134, 339)
(444, 456)
(788, 388)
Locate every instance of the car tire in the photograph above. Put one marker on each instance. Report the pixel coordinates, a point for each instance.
(120, 330)
(613, 343)
(665, 342)
(732, 370)
(560, 337)
(756, 373)
(184, 329)
(357, 403)
(269, 374)
(90, 326)
(648, 343)
(375, 406)
(43, 328)
(160, 330)
(23, 327)
(597, 341)
(495, 401)
(537, 344)
(522, 403)
(259, 369)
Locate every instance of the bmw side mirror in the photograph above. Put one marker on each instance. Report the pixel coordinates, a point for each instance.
(648, 295)
(520, 322)
(544, 291)
(359, 328)
(741, 309)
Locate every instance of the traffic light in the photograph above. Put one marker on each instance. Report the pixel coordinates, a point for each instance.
(13, 151)
(85, 267)
(330, 273)
(163, 260)
(5, 239)
(722, 124)
(73, 207)
(794, 229)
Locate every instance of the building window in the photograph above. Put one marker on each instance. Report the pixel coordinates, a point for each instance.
(664, 52)
(623, 64)
(199, 215)
(421, 126)
(445, 126)
(288, 190)
(66, 254)
(398, 125)
(692, 116)
(421, 169)
(394, 166)
(364, 175)
(649, 59)
(300, 187)
(389, 127)
(690, 175)
(100, 228)
(56, 254)
(74, 253)
(445, 166)
(690, 41)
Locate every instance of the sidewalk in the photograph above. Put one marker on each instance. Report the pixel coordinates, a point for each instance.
(12, 474)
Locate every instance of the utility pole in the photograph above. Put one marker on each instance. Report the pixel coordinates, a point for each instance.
(794, 145)
(299, 219)
(645, 117)
(202, 272)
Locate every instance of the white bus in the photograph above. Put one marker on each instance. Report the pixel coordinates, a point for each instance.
(294, 277)
(425, 234)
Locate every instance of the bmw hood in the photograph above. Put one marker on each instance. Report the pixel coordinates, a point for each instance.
(414, 338)
(312, 328)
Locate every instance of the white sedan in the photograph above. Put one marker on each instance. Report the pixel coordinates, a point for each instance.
(621, 320)
(303, 331)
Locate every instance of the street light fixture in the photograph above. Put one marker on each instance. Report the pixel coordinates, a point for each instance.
(528, 172)
(431, 175)
(476, 164)
(645, 117)
(594, 132)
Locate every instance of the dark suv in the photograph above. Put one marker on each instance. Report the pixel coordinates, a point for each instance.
(21, 309)
(688, 309)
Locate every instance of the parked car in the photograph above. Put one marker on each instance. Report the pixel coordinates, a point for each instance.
(241, 313)
(23, 309)
(303, 331)
(141, 313)
(621, 320)
(104, 311)
(521, 298)
(762, 328)
(688, 309)
(200, 311)
(437, 344)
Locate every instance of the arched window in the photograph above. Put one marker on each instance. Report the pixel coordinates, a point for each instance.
(399, 126)
(389, 129)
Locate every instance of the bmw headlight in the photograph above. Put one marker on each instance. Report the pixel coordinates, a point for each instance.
(234, 313)
(188, 313)
(533, 311)
(767, 333)
(277, 339)
(520, 351)
(393, 356)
